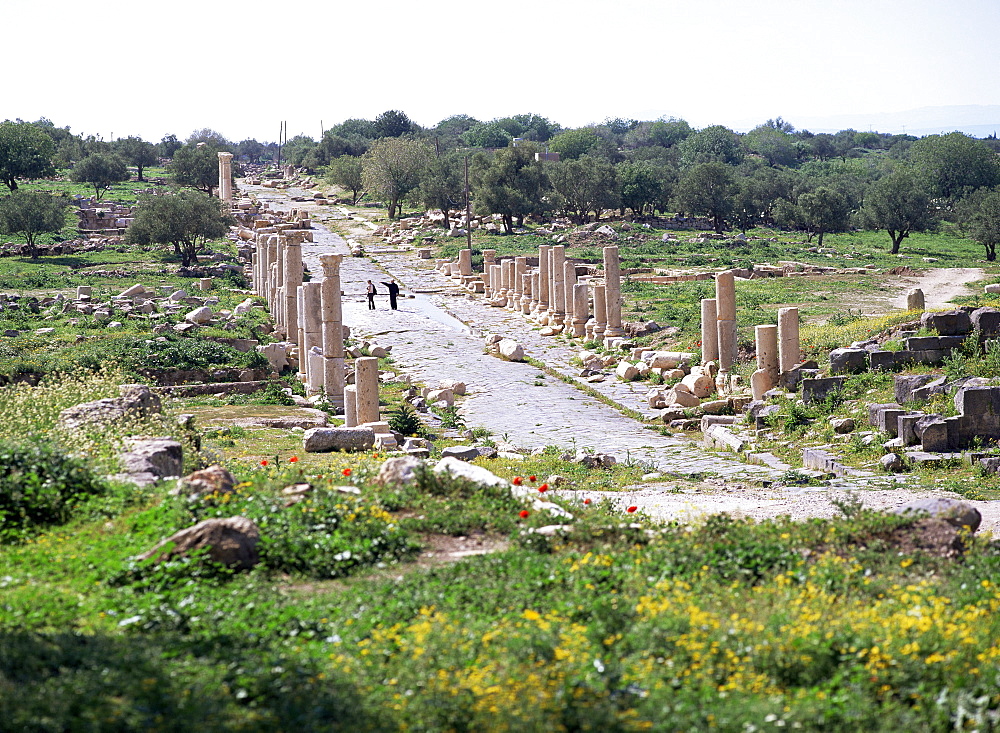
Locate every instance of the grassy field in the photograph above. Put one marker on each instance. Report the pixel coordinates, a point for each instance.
(442, 605)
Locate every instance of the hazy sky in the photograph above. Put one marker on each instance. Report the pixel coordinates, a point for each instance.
(150, 68)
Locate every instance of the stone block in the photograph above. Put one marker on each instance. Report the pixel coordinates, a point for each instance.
(461, 452)
(882, 360)
(904, 385)
(933, 433)
(922, 343)
(848, 361)
(987, 320)
(947, 323)
(817, 389)
(322, 440)
(956, 513)
(975, 401)
(875, 409)
(906, 427)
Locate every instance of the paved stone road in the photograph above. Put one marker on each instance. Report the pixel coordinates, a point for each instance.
(437, 335)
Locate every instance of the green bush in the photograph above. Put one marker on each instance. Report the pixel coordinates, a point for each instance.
(40, 486)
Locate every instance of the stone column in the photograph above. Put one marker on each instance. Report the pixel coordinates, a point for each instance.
(569, 282)
(526, 293)
(709, 331)
(543, 280)
(299, 338)
(273, 267)
(788, 338)
(333, 330)
(496, 281)
(350, 406)
(489, 257)
(613, 292)
(766, 376)
(520, 267)
(465, 262)
(557, 290)
(725, 304)
(366, 382)
(292, 271)
(580, 305)
(535, 284)
(226, 177)
(506, 270)
(312, 335)
(600, 311)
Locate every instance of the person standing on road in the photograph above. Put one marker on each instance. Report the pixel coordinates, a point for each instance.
(372, 292)
(393, 289)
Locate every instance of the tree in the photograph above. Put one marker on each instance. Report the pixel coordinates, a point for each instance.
(169, 145)
(574, 143)
(955, 164)
(585, 184)
(707, 189)
(774, 145)
(663, 133)
(489, 135)
(824, 210)
(30, 213)
(251, 150)
(345, 172)
(136, 151)
(981, 217)
(443, 184)
(510, 183)
(393, 123)
(639, 186)
(899, 204)
(100, 171)
(392, 168)
(25, 152)
(209, 136)
(197, 167)
(715, 144)
(186, 220)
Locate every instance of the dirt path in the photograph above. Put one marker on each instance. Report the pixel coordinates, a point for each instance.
(940, 286)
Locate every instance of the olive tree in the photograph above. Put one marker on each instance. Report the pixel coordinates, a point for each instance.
(30, 213)
(101, 171)
(26, 151)
(393, 167)
(186, 220)
(899, 204)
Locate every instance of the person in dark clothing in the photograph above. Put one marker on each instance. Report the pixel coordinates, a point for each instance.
(393, 292)
(372, 292)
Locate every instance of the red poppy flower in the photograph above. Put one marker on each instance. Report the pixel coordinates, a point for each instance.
(543, 488)
(631, 509)
(517, 481)
(587, 500)
(346, 472)
(531, 478)
(264, 462)
(293, 459)
(524, 513)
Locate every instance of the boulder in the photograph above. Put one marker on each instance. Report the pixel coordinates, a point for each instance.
(956, 513)
(399, 471)
(461, 452)
(323, 440)
(441, 395)
(469, 472)
(212, 480)
(627, 372)
(511, 350)
(199, 316)
(157, 457)
(230, 541)
(136, 401)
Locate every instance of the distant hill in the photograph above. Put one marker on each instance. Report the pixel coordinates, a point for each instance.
(975, 120)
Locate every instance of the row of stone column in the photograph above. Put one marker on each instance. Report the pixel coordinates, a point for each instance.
(778, 347)
(552, 294)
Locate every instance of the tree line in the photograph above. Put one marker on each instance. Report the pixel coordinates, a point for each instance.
(773, 175)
